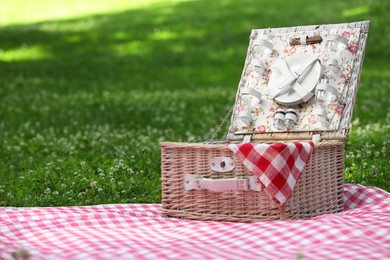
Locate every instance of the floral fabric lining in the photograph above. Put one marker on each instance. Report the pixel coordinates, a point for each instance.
(263, 115)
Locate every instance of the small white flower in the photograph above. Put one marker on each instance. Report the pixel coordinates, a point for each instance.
(93, 185)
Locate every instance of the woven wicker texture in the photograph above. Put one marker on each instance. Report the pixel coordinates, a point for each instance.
(319, 190)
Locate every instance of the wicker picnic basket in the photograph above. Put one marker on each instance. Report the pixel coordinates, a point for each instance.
(332, 56)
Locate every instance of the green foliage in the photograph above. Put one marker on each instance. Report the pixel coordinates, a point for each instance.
(85, 99)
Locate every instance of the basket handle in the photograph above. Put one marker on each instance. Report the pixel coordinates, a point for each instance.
(305, 40)
(197, 182)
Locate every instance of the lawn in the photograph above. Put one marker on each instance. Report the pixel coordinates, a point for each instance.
(89, 89)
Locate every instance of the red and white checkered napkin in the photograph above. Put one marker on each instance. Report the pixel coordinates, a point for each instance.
(278, 166)
(137, 231)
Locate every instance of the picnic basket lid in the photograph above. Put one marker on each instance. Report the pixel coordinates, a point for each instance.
(304, 77)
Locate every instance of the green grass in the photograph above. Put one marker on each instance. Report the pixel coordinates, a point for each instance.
(87, 91)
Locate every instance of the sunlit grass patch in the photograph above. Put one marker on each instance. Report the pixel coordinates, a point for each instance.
(24, 53)
(23, 11)
(356, 11)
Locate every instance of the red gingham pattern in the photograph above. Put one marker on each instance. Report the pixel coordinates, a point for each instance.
(139, 232)
(277, 166)
(356, 196)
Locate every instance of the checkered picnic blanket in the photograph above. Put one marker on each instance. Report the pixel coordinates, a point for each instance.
(137, 231)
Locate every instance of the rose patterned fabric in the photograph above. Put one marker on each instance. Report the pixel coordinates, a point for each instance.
(264, 114)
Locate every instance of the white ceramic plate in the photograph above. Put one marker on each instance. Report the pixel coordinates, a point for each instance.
(309, 82)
